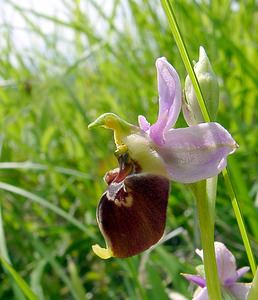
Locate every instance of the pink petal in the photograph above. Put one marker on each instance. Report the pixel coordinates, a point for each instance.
(242, 271)
(197, 152)
(201, 294)
(195, 279)
(226, 264)
(143, 123)
(240, 290)
(169, 99)
(239, 273)
(157, 130)
(199, 253)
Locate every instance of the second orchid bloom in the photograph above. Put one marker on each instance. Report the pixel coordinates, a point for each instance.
(132, 211)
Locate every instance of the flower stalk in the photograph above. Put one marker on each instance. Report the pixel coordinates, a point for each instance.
(185, 57)
(211, 190)
(206, 222)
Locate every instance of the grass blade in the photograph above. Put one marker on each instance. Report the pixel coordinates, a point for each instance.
(19, 280)
(28, 165)
(48, 256)
(76, 281)
(4, 253)
(36, 278)
(43, 202)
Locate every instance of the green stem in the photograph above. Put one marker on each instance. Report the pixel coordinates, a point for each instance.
(211, 190)
(206, 223)
(141, 290)
(185, 57)
(240, 221)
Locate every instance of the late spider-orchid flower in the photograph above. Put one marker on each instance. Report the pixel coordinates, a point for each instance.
(228, 276)
(132, 212)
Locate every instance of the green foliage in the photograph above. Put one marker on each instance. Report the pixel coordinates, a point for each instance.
(98, 59)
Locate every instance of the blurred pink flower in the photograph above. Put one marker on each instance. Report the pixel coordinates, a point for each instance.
(228, 276)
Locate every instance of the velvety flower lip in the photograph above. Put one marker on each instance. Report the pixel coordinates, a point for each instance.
(132, 212)
(228, 275)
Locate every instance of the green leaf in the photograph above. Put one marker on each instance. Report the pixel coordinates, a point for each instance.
(59, 270)
(36, 277)
(43, 202)
(157, 286)
(19, 280)
(4, 253)
(76, 281)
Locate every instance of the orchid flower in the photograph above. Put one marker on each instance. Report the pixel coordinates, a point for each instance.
(228, 275)
(132, 212)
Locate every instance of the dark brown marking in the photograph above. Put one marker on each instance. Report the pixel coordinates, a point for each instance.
(132, 228)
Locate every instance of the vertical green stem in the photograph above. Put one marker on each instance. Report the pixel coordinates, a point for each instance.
(211, 189)
(241, 224)
(254, 290)
(185, 57)
(206, 223)
(141, 289)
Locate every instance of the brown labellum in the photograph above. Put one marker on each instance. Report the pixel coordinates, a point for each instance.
(132, 212)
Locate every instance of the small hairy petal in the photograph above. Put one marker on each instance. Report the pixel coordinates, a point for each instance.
(169, 100)
(242, 271)
(197, 152)
(132, 216)
(240, 290)
(143, 123)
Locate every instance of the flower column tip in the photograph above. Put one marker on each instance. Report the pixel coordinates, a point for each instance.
(120, 127)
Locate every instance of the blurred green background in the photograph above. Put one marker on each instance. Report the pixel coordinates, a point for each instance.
(61, 66)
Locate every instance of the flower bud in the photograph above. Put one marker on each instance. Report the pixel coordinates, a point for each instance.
(210, 90)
